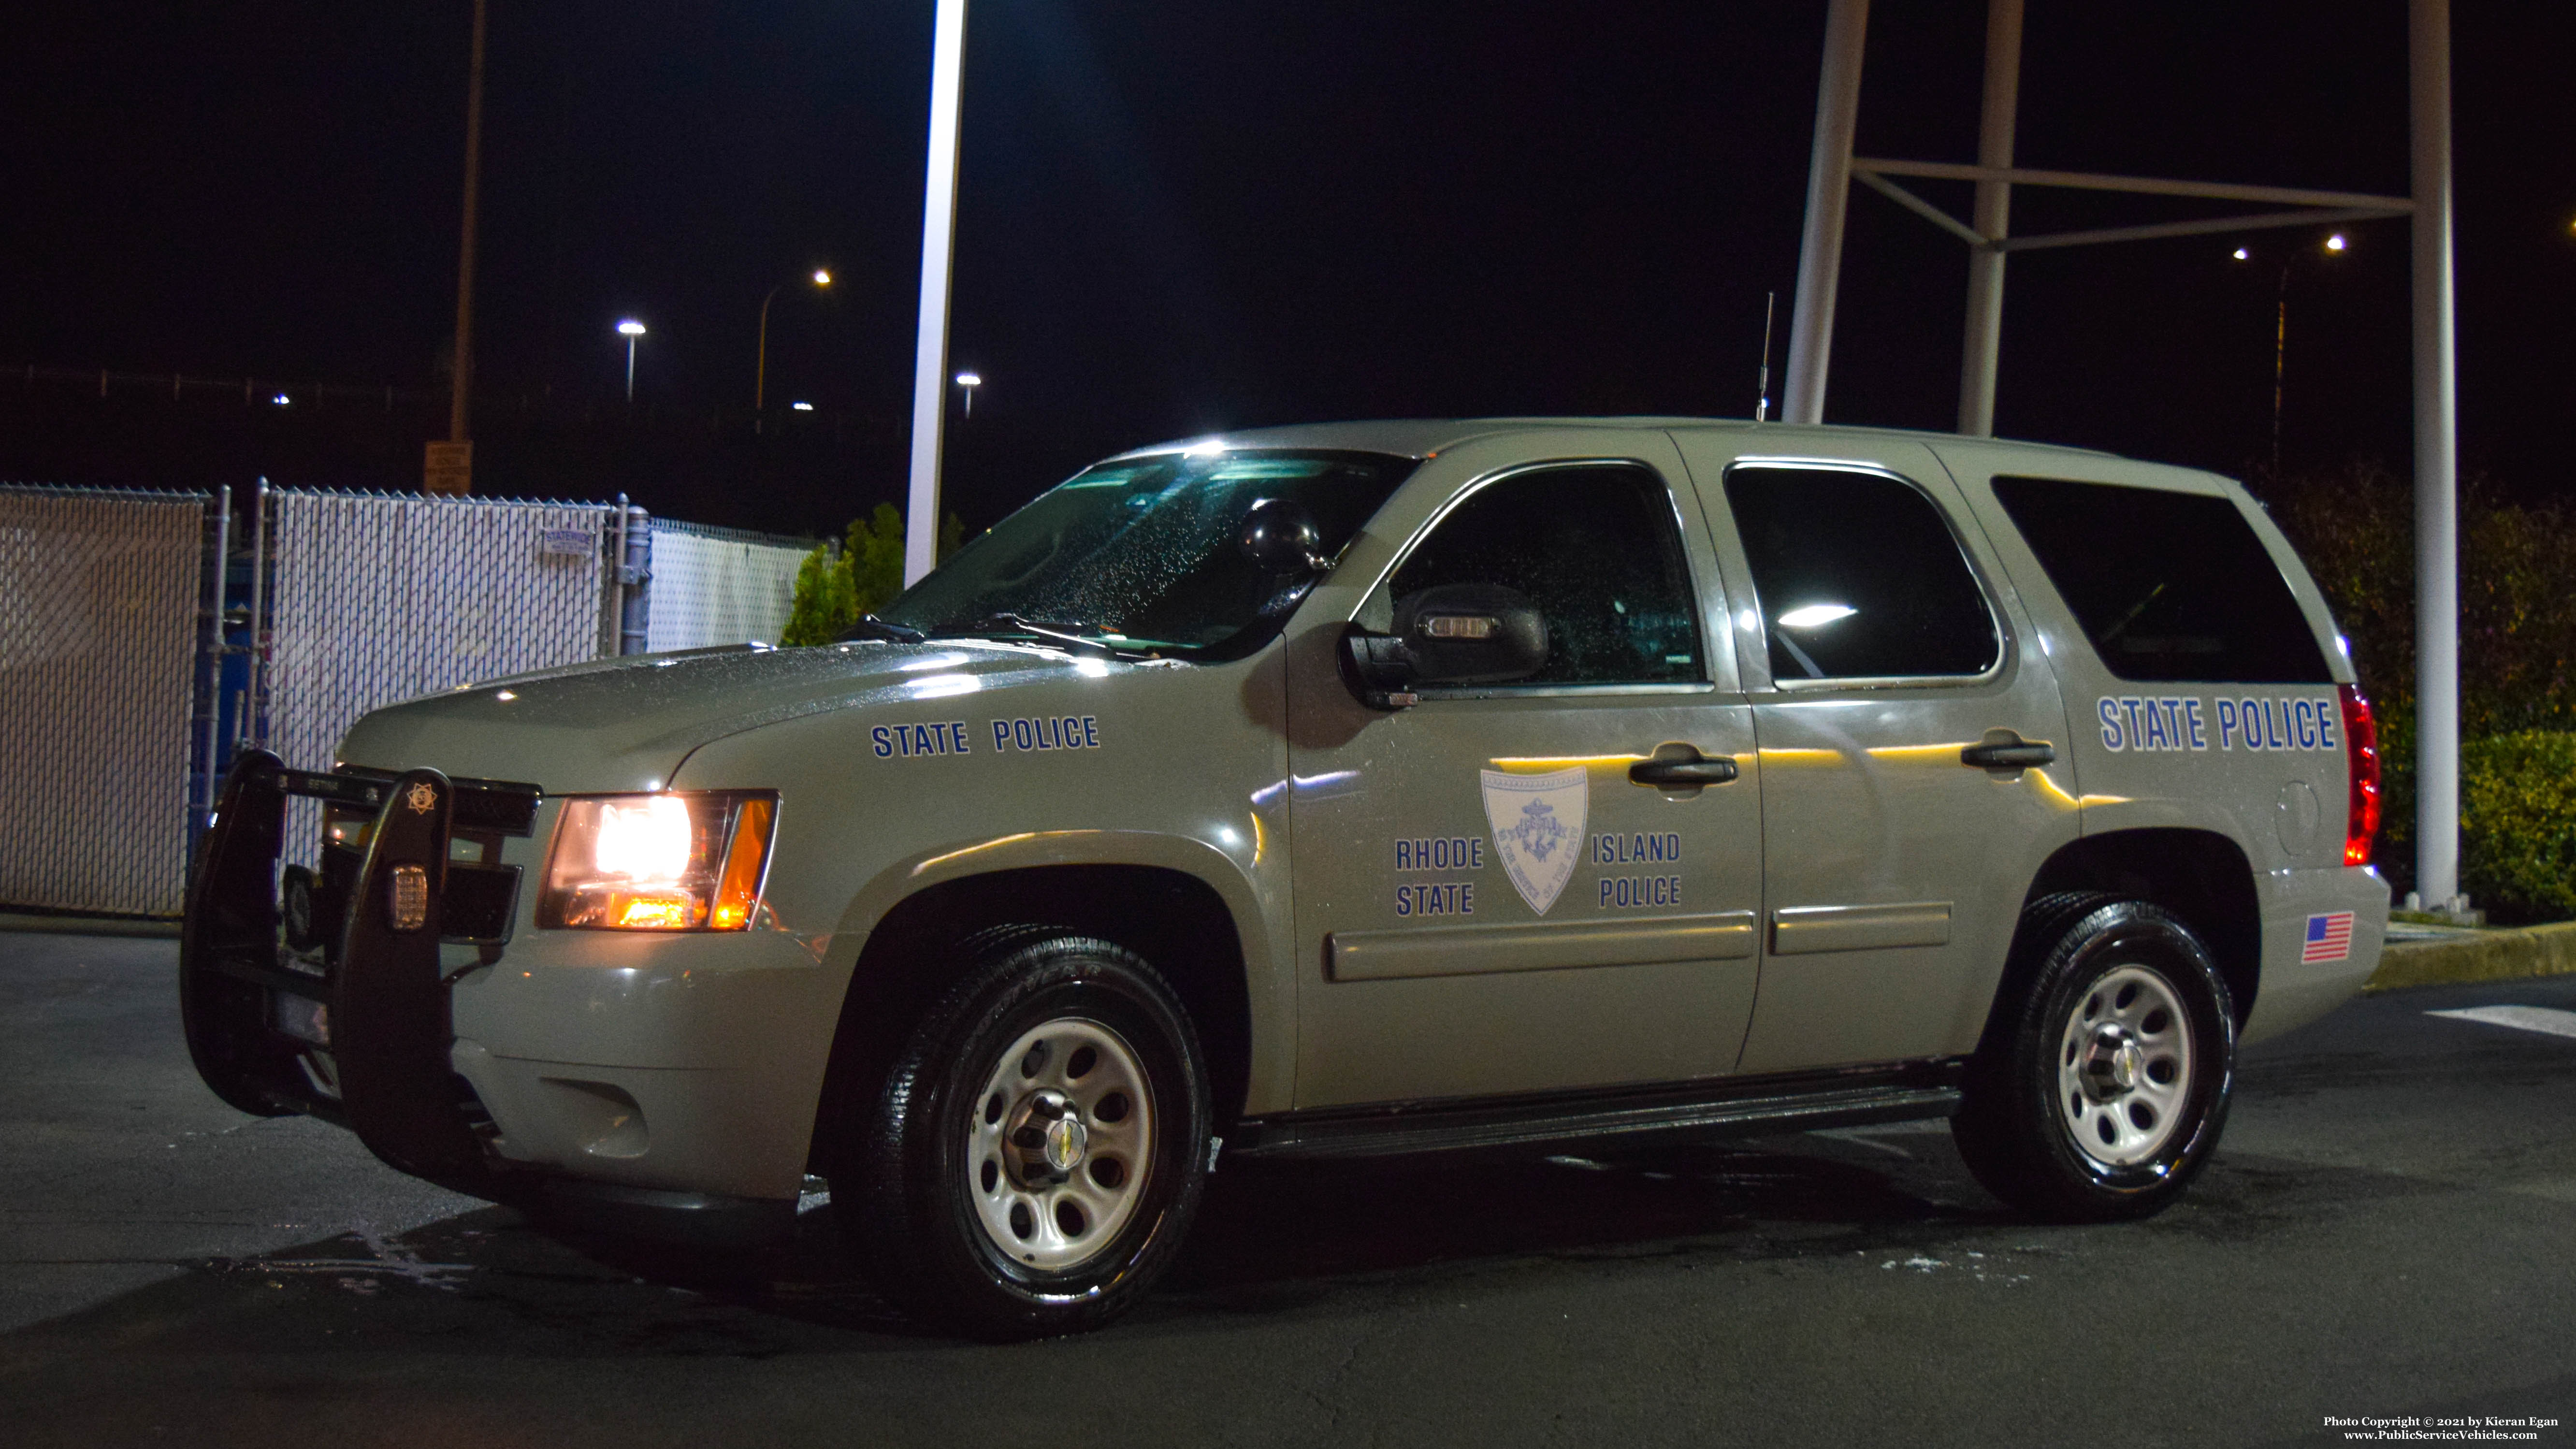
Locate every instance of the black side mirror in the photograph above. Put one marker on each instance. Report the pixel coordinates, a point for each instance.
(1280, 535)
(1455, 634)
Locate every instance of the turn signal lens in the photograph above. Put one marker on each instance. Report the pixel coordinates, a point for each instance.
(2361, 758)
(681, 861)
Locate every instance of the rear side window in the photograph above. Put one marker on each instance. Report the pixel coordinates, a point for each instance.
(1859, 577)
(2168, 586)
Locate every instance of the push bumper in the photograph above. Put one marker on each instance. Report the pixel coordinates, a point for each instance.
(332, 1001)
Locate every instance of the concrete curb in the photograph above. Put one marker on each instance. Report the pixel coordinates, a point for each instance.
(2484, 956)
(87, 925)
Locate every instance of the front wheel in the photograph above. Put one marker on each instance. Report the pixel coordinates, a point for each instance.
(2104, 1080)
(1036, 1154)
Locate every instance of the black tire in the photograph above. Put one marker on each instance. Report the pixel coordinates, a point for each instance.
(2105, 1075)
(941, 1173)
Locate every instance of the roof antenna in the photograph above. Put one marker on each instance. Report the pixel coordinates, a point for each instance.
(1762, 379)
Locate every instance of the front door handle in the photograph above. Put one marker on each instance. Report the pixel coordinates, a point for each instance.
(1684, 771)
(2011, 752)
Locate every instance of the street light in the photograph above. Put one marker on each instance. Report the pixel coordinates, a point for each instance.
(630, 329)
(970, 381)
(760, 373)
(2335, 245)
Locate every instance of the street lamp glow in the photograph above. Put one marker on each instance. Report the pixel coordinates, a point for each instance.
(2335, 243)
(969, 379)
(281, 400)
(630, 329)
(2241, 254)
(822, 278)
(802, 407)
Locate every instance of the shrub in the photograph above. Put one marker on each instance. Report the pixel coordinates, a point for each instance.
(832, 592)
(2518, 824)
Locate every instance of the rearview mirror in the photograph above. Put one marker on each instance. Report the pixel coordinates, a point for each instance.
(1280, 536)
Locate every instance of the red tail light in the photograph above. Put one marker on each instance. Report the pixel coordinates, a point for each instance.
(2361, 757)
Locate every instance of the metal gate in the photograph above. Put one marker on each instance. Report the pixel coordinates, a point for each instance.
(719, 585)
(104, 603)
(373, 598)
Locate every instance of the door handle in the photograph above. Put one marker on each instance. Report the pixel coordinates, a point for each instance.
(2010, 753)
(1684, 770)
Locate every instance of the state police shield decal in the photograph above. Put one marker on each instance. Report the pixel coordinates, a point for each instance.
(1538, 828)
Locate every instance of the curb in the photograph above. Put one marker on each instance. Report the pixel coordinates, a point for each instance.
(18, 921)
(2485, 956)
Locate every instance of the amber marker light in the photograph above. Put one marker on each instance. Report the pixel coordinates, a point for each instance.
(745, 863)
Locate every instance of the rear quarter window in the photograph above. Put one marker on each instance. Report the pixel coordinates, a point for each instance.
(2168, 586)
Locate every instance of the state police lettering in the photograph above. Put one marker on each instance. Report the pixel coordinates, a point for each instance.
(1047, 732)
(913, 741)
(1438, 853)
(2138, 723)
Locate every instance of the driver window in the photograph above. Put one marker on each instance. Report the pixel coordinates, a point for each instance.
(1595, 548)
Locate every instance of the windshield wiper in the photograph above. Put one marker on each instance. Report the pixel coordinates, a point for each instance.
(872, 627)
(1056, 630)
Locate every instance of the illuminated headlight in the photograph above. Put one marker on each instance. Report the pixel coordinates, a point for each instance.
(688, 861)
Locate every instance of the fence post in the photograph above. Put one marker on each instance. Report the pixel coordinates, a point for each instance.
(210, 671)
(635, 614)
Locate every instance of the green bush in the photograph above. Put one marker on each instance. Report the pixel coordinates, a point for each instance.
(2356, 528)
(2518, 825)
(833, 592)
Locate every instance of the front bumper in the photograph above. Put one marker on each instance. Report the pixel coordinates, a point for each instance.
(336, 1003)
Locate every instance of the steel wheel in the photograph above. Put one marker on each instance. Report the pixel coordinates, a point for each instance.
(2124, 1066)
(2102, 1084)
(1060, 1144)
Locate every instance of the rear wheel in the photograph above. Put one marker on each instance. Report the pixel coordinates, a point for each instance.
(2104, 1080)
(1037, 1152)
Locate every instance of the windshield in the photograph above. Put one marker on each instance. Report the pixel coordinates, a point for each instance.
(1140, 554)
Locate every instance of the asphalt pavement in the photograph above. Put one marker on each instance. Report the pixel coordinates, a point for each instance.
(2389, 1231)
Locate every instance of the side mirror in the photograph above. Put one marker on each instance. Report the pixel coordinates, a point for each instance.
(1280, 536)
(1471, 634)
(1455, 634)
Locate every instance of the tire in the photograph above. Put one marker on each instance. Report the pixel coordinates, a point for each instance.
(2104, 1078)
(1032, 1161)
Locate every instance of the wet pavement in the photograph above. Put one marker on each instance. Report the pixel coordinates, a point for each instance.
(2390, 1229)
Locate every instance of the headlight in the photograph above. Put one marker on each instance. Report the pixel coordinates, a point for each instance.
(688, 861)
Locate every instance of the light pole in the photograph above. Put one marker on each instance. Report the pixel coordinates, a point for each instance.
(760, 371)
(2334, 246)
(970, 381)
(630, 329)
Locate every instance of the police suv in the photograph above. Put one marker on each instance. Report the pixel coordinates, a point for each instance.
(1342, 792)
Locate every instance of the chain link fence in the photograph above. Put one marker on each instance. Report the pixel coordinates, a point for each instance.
(133, 662)
(720, 585)
(102, 618)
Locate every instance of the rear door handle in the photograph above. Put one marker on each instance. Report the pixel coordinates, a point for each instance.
(1684, 770)
(2015, 753)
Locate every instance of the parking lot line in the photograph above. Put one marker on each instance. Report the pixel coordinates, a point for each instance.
(2521, 1018)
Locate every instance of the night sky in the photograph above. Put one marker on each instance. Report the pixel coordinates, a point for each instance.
(1188, 217)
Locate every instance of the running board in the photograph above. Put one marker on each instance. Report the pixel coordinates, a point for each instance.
(1800, 1102)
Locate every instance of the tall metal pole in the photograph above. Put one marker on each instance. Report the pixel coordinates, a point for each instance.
(760, 370)
(460, 401)
(938, 244)
(1820, 251)
(2437, 564)
(1992, 218)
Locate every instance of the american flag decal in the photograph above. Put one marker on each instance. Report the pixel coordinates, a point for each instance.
(2329, 937)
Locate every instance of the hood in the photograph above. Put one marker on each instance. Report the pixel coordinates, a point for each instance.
(626, 724)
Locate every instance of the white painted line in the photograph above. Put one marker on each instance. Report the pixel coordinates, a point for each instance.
(2521, 1018)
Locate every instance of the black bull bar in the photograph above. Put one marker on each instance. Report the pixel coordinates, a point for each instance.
(360, 937)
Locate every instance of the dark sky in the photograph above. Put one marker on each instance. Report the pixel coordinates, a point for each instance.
(1182, 217)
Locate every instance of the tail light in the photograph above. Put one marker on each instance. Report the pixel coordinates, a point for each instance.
(2361, 759)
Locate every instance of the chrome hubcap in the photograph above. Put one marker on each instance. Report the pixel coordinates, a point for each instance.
(2124, 1067)
(1060, 1144)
